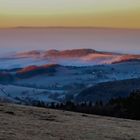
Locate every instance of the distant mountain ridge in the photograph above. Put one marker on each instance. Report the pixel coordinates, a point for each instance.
(89, 55)
(72, 57)
(57, 53)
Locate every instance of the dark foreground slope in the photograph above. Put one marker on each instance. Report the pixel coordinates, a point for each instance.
(31, 123)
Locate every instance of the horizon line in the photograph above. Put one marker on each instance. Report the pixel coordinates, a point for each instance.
(68, 27)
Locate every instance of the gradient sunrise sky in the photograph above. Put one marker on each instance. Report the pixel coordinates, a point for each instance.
(70, 13)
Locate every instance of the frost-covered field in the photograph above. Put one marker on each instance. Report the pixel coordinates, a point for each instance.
(19, 93)
(67, 81)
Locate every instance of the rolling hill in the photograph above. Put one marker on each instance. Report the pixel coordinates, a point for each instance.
(107, 90)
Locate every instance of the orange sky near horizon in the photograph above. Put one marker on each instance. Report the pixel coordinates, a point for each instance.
(70, 13)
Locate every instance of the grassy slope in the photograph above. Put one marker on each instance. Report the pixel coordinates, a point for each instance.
(31, 123)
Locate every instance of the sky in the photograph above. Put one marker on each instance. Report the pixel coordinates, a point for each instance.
(70, 13)
(25, 39)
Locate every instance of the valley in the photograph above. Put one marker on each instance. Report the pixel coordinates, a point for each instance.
(58, 83)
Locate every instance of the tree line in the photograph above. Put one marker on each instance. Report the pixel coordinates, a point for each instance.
(122, 107)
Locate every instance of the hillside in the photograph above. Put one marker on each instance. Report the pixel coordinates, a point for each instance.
(31, 123)
(107, 90)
